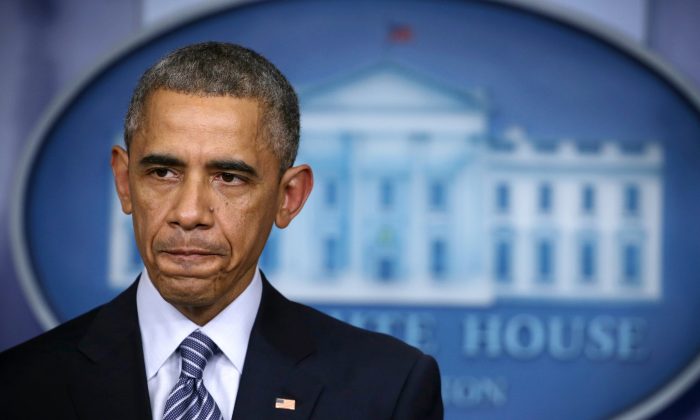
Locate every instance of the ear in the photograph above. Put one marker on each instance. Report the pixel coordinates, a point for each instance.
(120, 169)
(295, 187)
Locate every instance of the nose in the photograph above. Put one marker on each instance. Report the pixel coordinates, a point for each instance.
(192, 207)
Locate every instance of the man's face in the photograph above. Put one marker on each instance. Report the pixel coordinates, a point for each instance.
(204, 190)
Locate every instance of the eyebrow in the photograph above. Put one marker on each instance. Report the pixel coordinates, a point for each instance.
(162, 160)
(233, 165)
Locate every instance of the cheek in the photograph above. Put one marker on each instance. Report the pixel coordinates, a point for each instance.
(149, 214)
(237, 221)
(139, 234)
(245, 220)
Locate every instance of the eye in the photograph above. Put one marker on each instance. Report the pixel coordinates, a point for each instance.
(163, 172)
(230, 178)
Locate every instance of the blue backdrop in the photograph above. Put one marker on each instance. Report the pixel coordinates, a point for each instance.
(480, 84)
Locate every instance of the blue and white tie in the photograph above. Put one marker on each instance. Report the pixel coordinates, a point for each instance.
(189, 399)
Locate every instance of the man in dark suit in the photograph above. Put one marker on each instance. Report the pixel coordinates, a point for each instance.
(211, 136)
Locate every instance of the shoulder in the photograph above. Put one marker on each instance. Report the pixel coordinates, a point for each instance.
(340, 340)
(44, 349)
(55, 349)
(299, 322)
(42, 366)
(378, 369)
(108, 320)
(331, 333)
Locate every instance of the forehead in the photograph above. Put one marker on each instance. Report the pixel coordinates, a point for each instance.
(171, 120)
(165, 109)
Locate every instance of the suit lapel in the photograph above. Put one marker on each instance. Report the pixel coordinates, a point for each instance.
(279, 343)
(110, 380)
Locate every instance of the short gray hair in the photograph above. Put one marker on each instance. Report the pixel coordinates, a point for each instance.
(223, 69)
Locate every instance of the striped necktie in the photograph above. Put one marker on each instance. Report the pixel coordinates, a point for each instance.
(189, 399)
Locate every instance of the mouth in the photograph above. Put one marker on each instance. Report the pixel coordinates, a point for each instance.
(189, 251)
(189, 254)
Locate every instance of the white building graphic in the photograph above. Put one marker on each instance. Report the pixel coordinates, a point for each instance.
(415, 202)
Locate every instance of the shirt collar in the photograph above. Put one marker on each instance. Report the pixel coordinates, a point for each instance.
(163, 327)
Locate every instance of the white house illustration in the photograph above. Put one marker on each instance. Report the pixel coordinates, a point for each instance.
(415, 202)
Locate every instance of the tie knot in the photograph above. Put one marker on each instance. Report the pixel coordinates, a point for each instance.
(195, 351)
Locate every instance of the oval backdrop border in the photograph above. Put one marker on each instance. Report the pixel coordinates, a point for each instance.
(35, 297)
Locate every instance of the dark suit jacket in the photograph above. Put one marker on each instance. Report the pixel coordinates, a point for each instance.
(92, 368)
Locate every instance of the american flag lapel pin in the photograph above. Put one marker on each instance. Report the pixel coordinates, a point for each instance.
(285, 404)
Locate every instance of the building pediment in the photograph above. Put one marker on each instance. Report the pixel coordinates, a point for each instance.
(388, 87)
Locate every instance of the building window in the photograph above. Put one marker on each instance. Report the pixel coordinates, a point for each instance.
(386, 194)
(588, 199)
(503, 255)
(631, 261)
(386, 268)
(330, 255)
(545, 260)
(587, 261)
(331, 194)
(438, 258)
(631, 200)
(544, 199)
(502, 198)
(437, 196)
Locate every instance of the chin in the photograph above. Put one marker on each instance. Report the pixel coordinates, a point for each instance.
(180, 301)
(185, 290)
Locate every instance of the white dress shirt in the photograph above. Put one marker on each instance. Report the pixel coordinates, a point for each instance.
(163, 328)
